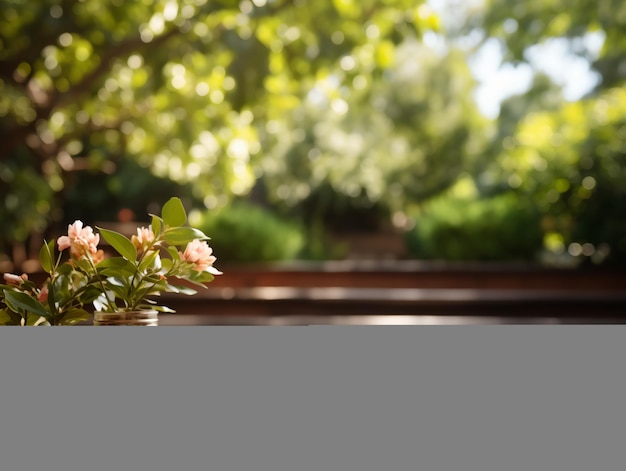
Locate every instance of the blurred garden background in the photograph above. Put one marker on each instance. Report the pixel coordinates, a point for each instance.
(321, 130)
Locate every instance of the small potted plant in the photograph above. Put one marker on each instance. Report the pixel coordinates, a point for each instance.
(118, 289)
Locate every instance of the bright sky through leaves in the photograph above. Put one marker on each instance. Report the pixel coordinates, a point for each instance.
(498, 81)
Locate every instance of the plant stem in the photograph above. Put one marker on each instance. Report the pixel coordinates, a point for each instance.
(51, 304)
(113, 307)
(136, 302)
(144, 251)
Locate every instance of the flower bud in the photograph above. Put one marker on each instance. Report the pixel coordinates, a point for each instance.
(15, 280)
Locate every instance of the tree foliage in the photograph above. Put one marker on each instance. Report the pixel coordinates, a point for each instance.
(569, 158)
(525, 24)
(328, 109)
(358, 143)
(180, 86)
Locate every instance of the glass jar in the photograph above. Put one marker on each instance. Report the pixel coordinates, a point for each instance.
(144, 317)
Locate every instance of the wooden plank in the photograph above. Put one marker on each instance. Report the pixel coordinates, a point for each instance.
(413, 274)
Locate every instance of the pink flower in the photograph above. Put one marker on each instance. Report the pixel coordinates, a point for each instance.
(80, 240)
(15, 280)
(144, 237)
(43, 295)
(199, 253)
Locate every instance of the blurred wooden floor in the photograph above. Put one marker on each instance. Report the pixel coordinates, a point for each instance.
(297, 320)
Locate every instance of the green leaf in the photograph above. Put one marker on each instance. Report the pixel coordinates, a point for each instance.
(74, 316)
(167, 264)
(113, 266)
(173, 213)
(149, 261)
(66, 269)
(197, 280)
(46, 256)
(181, 290)
(148, 287)
(120, 243)
(163, 309)
(9, 318)
(117, 281)
(90, 294)
(102, 302)
(34, 320)
(118, 291)
(174, 254)
(183, 235)
(201, 277)
(17, 301)
(156, 225)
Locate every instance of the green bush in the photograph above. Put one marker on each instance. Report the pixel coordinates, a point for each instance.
(242, 232)
(501, 228)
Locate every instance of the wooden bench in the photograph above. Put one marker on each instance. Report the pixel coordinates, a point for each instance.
(408, 288)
